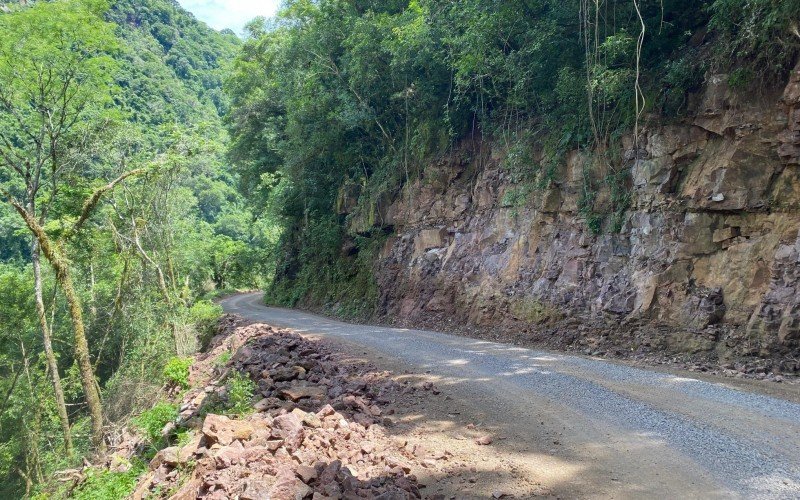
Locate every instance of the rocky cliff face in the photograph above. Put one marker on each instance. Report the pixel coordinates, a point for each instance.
(707, 258)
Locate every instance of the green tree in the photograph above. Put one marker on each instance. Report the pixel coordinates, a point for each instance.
(55, 82)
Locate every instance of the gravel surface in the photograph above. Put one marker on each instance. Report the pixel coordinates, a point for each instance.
(649, 431)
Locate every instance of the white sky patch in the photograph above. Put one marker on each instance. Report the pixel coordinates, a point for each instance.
(233, 14)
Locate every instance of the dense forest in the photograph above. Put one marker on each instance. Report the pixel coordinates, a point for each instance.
(149, 164)
(120, 218)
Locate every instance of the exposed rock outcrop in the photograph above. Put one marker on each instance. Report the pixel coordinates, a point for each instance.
(707, 257)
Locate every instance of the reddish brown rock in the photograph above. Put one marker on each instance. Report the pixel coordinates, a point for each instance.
(288, 487)
(484, 440)
(221, 429)
(255, 489)
(296, 393)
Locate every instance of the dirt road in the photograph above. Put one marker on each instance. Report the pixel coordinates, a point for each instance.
(578, 427)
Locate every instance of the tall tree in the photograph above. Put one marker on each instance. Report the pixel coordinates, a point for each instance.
(56, 80)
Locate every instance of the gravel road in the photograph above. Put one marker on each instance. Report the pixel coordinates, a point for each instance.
(596, 429)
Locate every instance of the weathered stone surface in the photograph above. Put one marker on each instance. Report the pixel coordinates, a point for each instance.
(255, 489)
(296, 393)
(724, 234)
(712, 198)
(288, 487)
(221, 429)
(287, 373)
(168, 456)
(428, 239)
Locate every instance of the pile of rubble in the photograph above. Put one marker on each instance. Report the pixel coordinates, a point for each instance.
(319, 429)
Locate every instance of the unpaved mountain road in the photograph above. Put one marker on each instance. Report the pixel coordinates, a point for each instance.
(585, 428)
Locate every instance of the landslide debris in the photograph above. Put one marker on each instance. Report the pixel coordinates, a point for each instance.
(317, 431)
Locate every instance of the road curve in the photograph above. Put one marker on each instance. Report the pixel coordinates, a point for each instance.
(624, 432)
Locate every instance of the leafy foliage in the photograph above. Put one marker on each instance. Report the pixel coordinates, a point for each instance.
(176, 371)
(240, 394)
(756, 36)
(152, 421)
(150, 96)
(205, 315)
(108, 485)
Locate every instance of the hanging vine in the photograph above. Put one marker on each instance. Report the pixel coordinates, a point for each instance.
(604, 45)
(639, 97)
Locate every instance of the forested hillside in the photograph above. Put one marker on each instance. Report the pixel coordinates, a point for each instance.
(137, 206)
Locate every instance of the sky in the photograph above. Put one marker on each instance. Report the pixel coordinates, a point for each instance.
(233, 14)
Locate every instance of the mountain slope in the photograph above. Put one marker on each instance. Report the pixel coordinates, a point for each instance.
(185, 215)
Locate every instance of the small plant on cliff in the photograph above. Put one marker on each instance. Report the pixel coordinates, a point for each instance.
(108, 485)
(240, 394)
(152, 421)
(222, 359)
(515, 199)
(176, 371)
(620, 198)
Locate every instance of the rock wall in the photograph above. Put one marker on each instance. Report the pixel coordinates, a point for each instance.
(707, 259)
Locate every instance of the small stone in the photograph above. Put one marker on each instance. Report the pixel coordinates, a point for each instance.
(326, 411)
(263, 405)
(288, 487)
(394, 462)
(484, 440)
(306, 473)
(285, 374)
(255, 490)
(167, 456)
(297, 393)
(273, 444)
(220, 429)
(309, 419)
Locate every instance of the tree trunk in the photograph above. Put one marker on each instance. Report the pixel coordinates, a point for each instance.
(64, 279)
(52, 364)
(81, 349)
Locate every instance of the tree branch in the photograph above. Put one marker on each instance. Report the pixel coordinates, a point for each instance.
(94, 199)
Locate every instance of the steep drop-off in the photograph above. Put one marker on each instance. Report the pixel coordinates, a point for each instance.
(706, 258)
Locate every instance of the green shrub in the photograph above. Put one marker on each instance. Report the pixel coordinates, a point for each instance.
(153, 420)
(107, 485)
(204, 315)
(240, 394)
(176, 371)
(681, 77)
(223, 359)
(758, 35)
